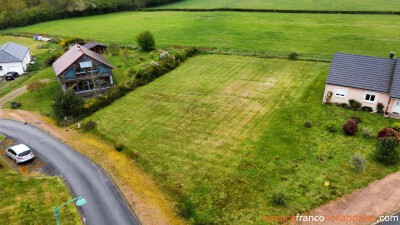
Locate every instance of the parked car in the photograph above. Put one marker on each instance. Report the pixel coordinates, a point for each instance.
(11, 75)
(20, 153)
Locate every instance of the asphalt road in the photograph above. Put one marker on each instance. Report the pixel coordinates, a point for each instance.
(104, 203)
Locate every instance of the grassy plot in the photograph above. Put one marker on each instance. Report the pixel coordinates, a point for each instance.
(28, 42)
(317, 35)
(31, 201)
(222, 134)
(355, 5)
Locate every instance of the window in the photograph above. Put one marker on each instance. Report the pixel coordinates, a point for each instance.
(87, 64)
(340, 93)
(370, 97)
(1, 68)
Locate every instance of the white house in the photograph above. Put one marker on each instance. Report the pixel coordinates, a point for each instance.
(14, 57)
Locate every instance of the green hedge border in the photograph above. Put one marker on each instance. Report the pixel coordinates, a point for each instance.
(274, 11)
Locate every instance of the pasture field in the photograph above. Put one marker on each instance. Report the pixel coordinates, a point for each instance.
(42, 193)
(222, 134)
(276, 34)
(345, 5)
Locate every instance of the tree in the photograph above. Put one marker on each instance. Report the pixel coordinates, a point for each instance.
(146, 41)
(67, 104)
(36, 85)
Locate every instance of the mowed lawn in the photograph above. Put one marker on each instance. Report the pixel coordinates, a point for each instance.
(42, 194)
(222, 134)
(316, 35)
(354, 5)
(32, 44)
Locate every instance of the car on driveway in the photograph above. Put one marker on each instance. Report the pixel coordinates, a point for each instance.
(11, 75)
(20, 153)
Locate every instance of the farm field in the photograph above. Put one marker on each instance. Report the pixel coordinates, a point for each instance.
(355, 5)
(270, 34)
(41, 193)
(222, 134)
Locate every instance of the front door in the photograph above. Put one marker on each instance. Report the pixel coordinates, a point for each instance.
(396, 107)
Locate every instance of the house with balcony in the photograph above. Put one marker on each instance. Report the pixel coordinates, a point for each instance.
(83, 71)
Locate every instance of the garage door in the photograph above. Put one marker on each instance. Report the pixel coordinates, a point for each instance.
(16, 69)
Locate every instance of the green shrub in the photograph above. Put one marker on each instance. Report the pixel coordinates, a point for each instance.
(396, 127)
(119, 146)
(350, 127)
(279, 199)
(180, 56)
(191, 51)
(331, 126)
(380, 107)
(146, 41)
(358, 162)
(114, 49)
(367, 109)
(89, 125)
(308, 124)
(354, 105)
(366, 132)
(50, 60)
(67, 104)
(343, 105)
(293, 56)
(386, 151)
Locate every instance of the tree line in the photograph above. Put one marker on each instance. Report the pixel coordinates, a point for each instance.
(15, 13)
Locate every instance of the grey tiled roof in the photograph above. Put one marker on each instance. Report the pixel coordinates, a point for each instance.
(365, 72)
(395, 90)
(11, 52)
(92, 44)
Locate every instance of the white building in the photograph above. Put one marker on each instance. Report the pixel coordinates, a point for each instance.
(14, 57)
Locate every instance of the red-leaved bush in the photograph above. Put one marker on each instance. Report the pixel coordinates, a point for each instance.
(350, 127)
(388, 133)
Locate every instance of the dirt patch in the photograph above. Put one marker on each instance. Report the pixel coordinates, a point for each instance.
(142, 194)
(34, 168)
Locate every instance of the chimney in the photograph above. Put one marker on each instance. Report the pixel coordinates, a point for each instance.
(79, 48)
(392, 55)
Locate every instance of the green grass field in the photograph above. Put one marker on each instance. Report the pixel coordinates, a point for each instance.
(354, 5)
(270, 33)
(28, 42)
(221, 134)
(43, 194)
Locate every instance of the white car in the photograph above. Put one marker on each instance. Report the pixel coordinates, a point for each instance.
(20, 153)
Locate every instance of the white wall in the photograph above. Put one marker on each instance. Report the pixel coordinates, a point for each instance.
(7, 67)
(16, 66)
